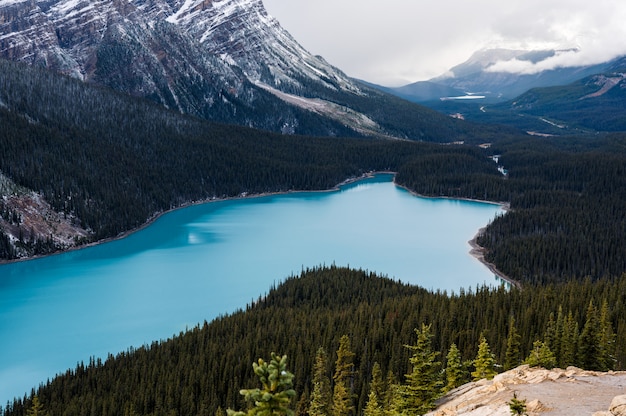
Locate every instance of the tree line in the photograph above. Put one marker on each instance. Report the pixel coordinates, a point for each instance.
(203, 369)
(112, 162)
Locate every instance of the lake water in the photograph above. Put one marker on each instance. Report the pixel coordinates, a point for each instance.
(206, 260)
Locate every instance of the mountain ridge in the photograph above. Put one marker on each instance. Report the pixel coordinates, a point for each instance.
(226, 61)
(479, 75)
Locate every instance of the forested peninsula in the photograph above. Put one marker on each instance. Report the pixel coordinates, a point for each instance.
(202, 370)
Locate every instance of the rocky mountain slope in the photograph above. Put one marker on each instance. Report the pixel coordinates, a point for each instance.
(554, 392)
(224, 60)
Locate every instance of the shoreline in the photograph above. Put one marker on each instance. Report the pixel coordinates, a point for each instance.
(155, 216)
(476, 250)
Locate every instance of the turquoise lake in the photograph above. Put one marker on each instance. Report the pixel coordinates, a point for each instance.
(199, 262)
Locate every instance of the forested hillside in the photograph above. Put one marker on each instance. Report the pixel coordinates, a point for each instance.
(202, 371)
(112, 162)
(567, 199)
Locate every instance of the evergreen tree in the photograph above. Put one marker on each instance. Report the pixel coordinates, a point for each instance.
(607, 339)
(342, 403)
(302, 407)
(455, 373)
(373, 407)
(484, 363)
(541, 356)
(589, 350)
(321, 394)
(569, 344)
(36, 408)
(376, 397)
(274, 397)
(512, 356)
(549, 337)
(517, 406)
(377, 384)
(392, 394)
(423, 383)
(557, 345)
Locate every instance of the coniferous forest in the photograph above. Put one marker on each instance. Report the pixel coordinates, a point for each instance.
(201, 371)
(113, 162)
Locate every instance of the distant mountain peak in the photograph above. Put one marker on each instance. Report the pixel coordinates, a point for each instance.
(492, 72)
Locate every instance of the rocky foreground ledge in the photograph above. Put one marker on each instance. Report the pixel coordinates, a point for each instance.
(554, 392)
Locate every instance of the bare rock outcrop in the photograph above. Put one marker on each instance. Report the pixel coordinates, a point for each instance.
(554, 392)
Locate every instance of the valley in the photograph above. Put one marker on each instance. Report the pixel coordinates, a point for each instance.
(113, 113)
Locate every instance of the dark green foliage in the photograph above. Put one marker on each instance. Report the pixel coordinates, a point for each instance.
(114, 162)
(541, 356)
(517, 406)
(203, 369)
(274, 397)
(343, 379)
(321, 396)
(376, 399)
(36, 408)
(566, 217)
(456, 374)
(512, 357)
(485, 362)
(423, 383)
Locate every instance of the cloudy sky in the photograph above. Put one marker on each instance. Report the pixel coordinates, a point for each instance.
(394, 42)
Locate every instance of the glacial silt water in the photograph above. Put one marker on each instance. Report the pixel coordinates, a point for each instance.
(196, 263)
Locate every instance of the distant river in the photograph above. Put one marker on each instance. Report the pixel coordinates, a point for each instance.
(199, 262)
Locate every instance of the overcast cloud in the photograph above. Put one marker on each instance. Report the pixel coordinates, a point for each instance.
(394, 42)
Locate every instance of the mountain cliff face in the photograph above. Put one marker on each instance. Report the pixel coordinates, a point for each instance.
(222, 60)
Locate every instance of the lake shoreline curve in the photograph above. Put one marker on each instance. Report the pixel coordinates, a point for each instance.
(476, 251)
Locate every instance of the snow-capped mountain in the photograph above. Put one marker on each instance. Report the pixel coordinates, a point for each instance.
(484, 72)
(224, 60)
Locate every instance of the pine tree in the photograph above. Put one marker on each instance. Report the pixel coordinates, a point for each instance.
(607, 339)
(484, 363)
(36, 408)
(455, 373)
(423, 383)
(321, 394)
(273, 399)
(569, 344)
(517, 406)
(557, 346)
(392, 394)
(549, 337)
(377, 385)
(373, 407)
(512, 356)
(589, 351)
(541, 356)
(342, 403)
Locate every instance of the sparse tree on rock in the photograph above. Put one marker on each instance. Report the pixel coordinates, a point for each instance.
(423, 383)
(541, 356)
(455, 373)
(512, 357)
(484, 363)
